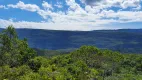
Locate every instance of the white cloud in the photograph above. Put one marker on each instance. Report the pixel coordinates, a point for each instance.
(23, 6)
(115, 3)
(137, 8)
(123, 16)
(3, 6)
(59, 5)
(130, 3)
(46, 5)
(93, 16)
(44, 25)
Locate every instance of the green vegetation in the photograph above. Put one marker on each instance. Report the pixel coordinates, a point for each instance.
(124, 41)
(19, 62)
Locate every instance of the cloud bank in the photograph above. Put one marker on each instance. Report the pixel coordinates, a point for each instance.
(95, 14)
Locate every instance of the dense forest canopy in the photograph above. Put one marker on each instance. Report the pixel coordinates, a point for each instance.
(20, 62)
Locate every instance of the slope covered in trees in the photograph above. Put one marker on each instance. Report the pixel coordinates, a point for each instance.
(125, 41)
(19, 62)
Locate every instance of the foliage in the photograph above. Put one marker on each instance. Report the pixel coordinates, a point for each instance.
(19, 62)
(14, 52)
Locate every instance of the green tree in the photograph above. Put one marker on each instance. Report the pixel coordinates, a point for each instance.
(13, 51)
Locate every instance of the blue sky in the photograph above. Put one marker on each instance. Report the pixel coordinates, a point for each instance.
(71, 14)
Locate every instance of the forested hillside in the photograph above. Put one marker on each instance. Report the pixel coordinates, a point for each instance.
(20, 62)
(123, 40)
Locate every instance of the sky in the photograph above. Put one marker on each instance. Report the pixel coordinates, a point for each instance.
(81, 15)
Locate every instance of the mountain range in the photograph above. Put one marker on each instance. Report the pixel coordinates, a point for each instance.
(122, 40)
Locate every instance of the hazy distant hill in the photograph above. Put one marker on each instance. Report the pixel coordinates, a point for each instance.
(123, 40)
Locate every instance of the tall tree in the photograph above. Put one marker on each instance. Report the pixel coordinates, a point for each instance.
(14, 51)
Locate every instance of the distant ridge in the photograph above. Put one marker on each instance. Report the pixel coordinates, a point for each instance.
(123, 40)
